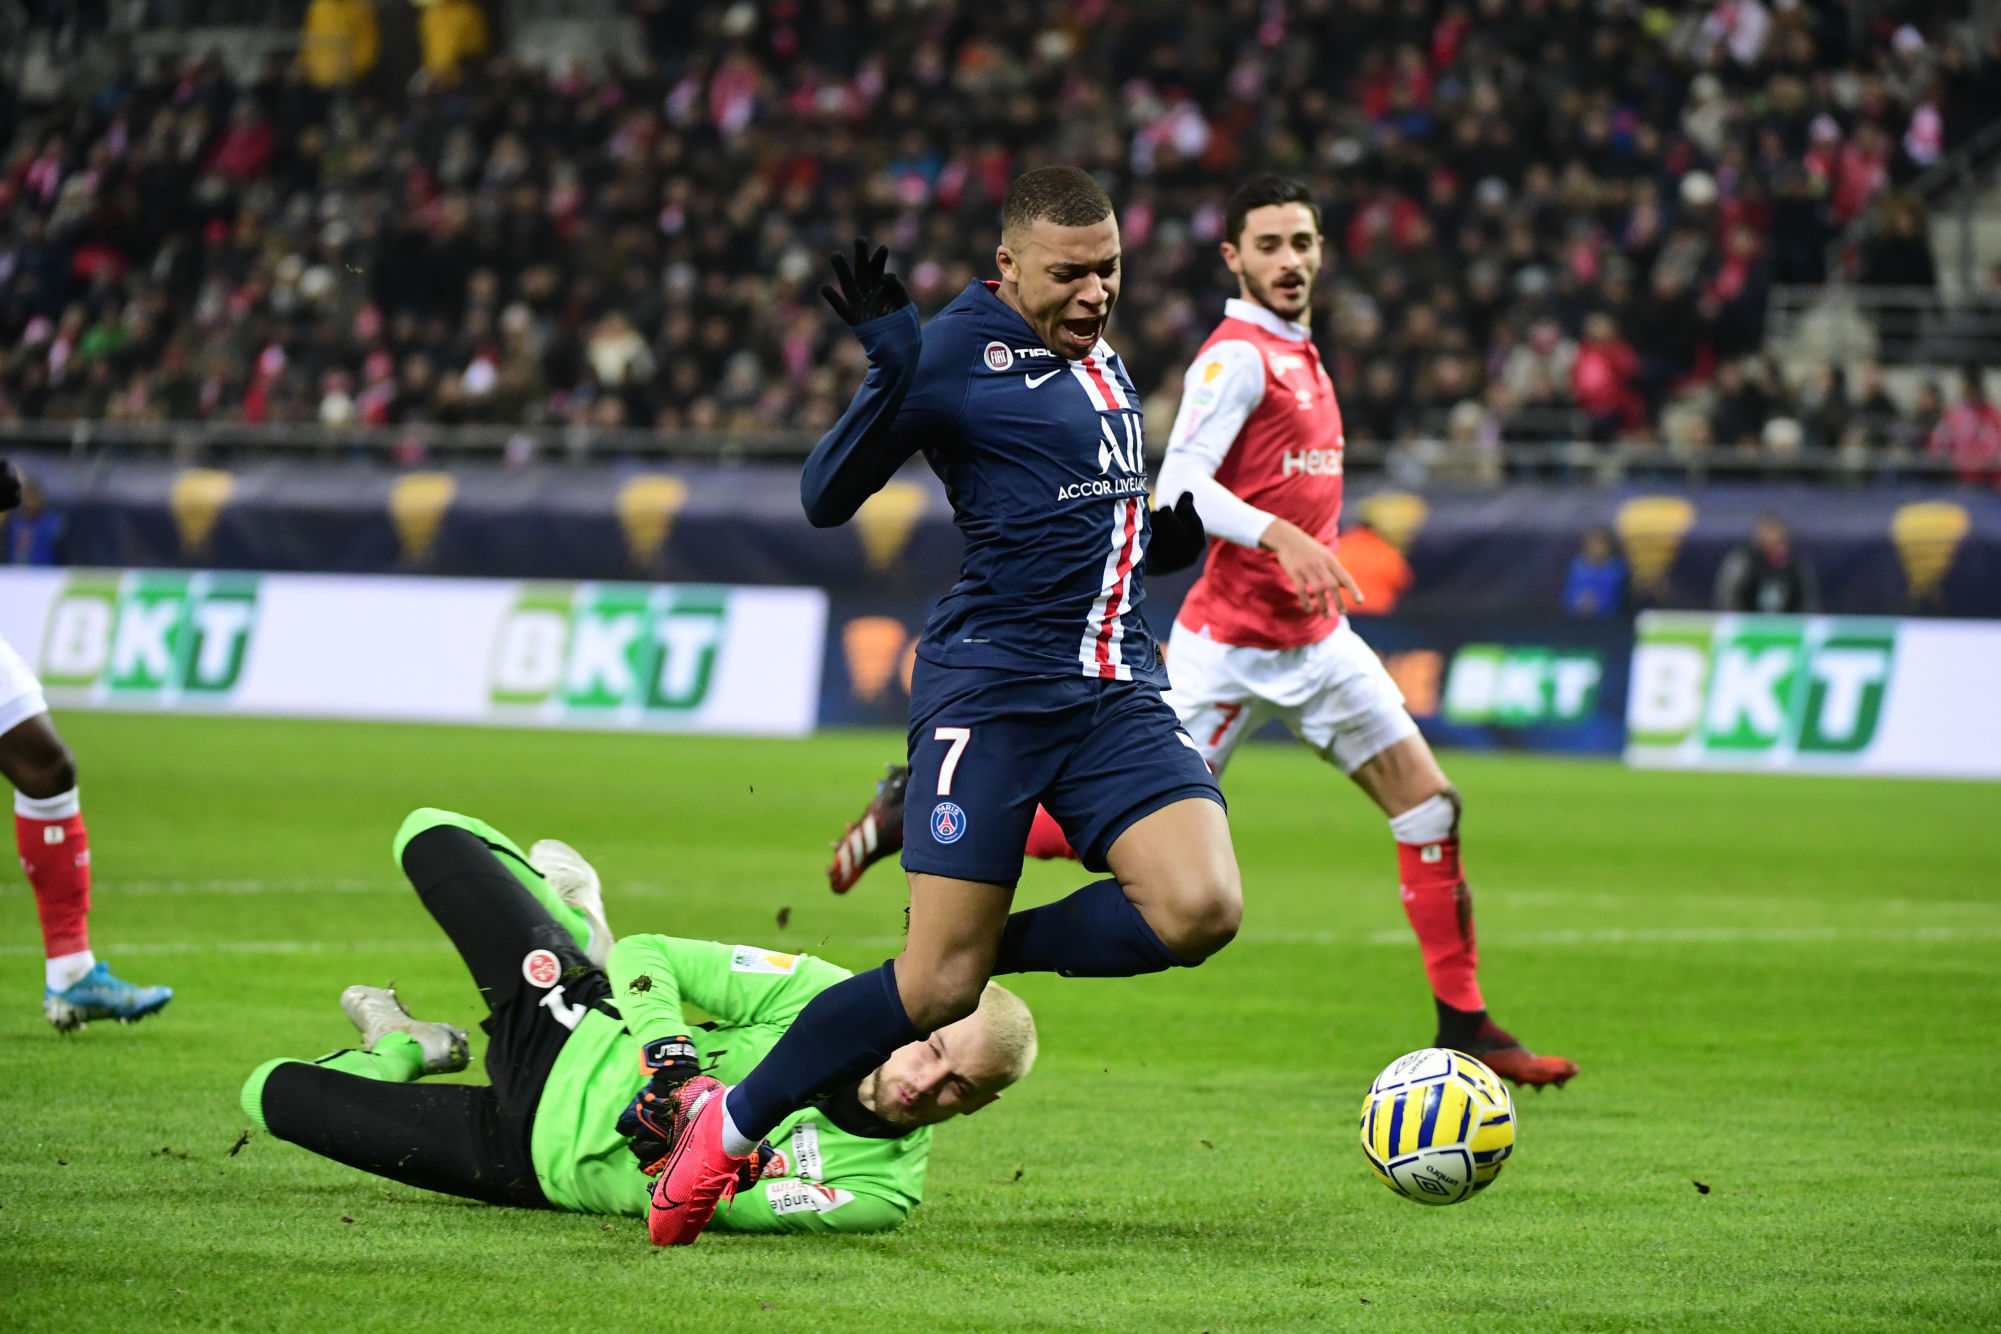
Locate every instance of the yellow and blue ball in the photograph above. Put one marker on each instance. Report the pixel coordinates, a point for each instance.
(1437, 1126)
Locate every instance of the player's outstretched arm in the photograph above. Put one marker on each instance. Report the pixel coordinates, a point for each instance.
(864, 449)
(647, 991)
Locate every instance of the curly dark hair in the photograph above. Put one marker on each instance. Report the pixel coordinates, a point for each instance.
(1064, 195)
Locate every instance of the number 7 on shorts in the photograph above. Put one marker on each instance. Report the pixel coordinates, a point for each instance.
(958, 737)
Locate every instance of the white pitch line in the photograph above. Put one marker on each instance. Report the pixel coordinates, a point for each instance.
(1665, 935)
(236, 887)
(1892, 908)
(251, 947)
(241, 886)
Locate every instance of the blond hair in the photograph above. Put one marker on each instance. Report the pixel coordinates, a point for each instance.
(1010, 1030)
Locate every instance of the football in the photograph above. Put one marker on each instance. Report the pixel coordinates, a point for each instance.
(1437, 1126)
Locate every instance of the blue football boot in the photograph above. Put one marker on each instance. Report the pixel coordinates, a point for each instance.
(99, 995)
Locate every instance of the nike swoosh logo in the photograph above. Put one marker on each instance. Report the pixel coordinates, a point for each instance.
(1035, 381)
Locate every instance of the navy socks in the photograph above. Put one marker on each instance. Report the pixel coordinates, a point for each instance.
(843, 1033)
(1096, 932)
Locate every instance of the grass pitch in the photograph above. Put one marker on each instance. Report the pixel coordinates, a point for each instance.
(1782, 989)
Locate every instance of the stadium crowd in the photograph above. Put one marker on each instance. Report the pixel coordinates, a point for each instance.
(1547, 219)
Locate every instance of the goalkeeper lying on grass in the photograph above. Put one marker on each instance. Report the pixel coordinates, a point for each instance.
(571, 1119)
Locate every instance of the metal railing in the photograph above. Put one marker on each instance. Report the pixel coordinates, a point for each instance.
(1408, 462)
(1966, 169)
(1901, 326)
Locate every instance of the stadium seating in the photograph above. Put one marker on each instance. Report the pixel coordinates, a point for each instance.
(1547, 219)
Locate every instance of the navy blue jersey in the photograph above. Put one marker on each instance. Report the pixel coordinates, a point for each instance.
(1044, 461)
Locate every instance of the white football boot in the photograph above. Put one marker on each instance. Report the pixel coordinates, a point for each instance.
(576, 884)
(377, 1010)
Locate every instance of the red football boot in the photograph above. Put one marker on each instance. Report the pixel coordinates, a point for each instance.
(876, 835)
(699, 1175)
(1508, 1058)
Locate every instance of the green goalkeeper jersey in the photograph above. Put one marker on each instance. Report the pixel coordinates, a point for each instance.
(833, 1181)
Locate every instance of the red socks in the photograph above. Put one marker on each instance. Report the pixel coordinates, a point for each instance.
(1046, 839)
(55, 854)
(1440, 908)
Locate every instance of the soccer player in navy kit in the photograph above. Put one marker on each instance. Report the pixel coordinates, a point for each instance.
(1036, 680)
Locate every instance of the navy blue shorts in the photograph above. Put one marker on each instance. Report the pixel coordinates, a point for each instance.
(987, 746)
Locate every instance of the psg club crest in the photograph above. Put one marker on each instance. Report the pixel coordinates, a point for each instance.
(948, 822)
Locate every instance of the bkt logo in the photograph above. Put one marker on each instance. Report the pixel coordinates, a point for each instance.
(627, 647)
(1746, 685)
(1124, 444)
(1312, 462)
(1521, 686)
(147, 633)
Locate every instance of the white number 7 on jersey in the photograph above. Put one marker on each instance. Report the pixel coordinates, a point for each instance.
(958, 736)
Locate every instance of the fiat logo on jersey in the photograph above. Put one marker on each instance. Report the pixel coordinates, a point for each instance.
(999, 356)
(541, 968)
(948, 822)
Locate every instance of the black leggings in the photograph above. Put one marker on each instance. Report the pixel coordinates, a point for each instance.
(457, 1138)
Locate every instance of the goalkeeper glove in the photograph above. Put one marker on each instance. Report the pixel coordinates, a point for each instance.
(655, 1118)
(866, 292)
(1178, 537)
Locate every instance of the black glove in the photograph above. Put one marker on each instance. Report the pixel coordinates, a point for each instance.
(1178, 537)
(654, 1119)
(10, 486)
(866, 292)
(763, 1162)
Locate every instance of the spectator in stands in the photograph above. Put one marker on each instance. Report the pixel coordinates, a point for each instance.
(1800, 225)
(1969, 432)
(1825, 409)
(33, 534)
(1595, 586)
(1381, 570)
(1742, 406)
(1766, 575)
(1496, 175)
(1601, 380)
(1900, 254)
(1915, 432)
(1875, 414)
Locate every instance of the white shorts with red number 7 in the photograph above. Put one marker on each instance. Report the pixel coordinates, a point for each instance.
(1335, 696)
